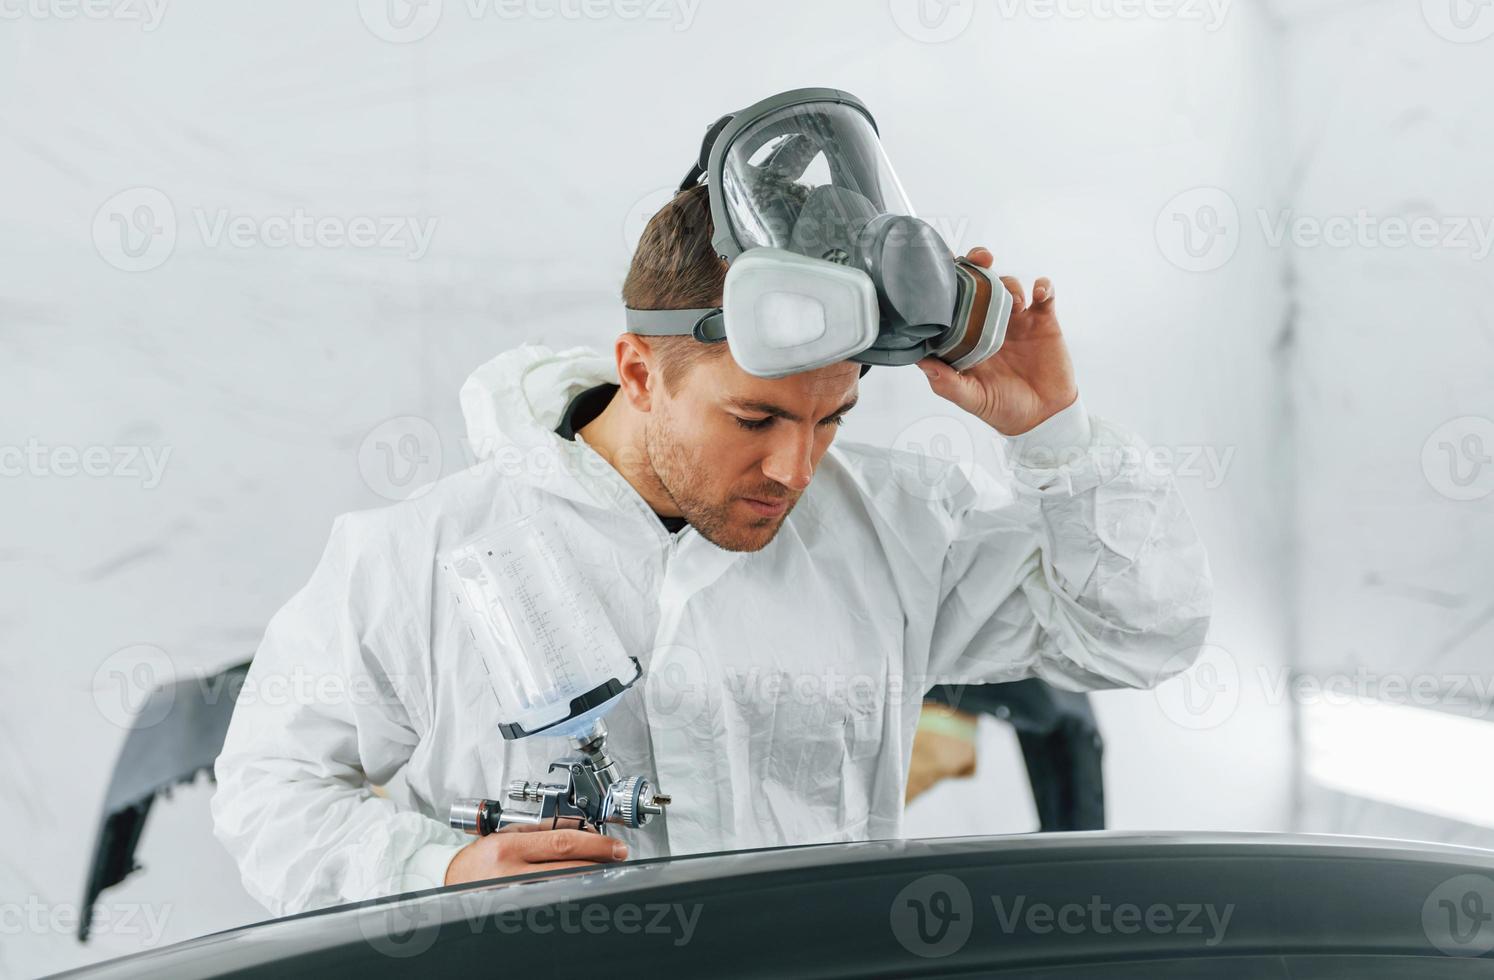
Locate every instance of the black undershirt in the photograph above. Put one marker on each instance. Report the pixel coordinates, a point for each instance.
(587, 406)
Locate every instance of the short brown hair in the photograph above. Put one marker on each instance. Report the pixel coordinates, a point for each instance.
(676, 268)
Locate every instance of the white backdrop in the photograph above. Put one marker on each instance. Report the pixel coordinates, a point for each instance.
(187, 192)
(1395, 396)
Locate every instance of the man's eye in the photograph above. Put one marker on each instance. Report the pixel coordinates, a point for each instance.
(756, 425)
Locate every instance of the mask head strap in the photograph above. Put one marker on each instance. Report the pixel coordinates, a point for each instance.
(703, 162)
(706, 325)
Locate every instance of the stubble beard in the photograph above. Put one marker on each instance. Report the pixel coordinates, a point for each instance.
(680, 473)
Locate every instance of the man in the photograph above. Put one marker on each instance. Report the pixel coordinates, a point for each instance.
(789, 600)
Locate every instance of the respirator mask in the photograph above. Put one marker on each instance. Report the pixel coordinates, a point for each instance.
(826, 260)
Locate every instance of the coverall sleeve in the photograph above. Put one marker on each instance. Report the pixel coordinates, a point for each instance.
(1085, 572)
(322, 717)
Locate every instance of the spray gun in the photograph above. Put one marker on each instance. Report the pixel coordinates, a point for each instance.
(585, 787)
(556, 666)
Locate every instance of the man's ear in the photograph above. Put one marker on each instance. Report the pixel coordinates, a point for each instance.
(636, 370)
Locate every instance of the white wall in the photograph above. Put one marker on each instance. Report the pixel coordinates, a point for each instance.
(1389, 123)
(1114, 126)
(537, 146)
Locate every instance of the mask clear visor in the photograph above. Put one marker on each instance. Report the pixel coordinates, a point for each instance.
(807, 178)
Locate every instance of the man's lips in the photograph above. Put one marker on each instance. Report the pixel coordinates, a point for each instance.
(767, 508)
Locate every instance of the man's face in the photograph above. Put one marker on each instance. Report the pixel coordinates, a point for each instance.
(735, 451)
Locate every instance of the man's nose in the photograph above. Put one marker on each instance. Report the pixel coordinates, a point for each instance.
(791, 461)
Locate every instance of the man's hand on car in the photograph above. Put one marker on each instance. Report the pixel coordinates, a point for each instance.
(518, 850)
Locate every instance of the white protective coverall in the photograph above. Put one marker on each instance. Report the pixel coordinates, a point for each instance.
(781, 688)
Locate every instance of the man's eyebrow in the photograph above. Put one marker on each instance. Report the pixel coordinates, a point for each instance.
(768, 408)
